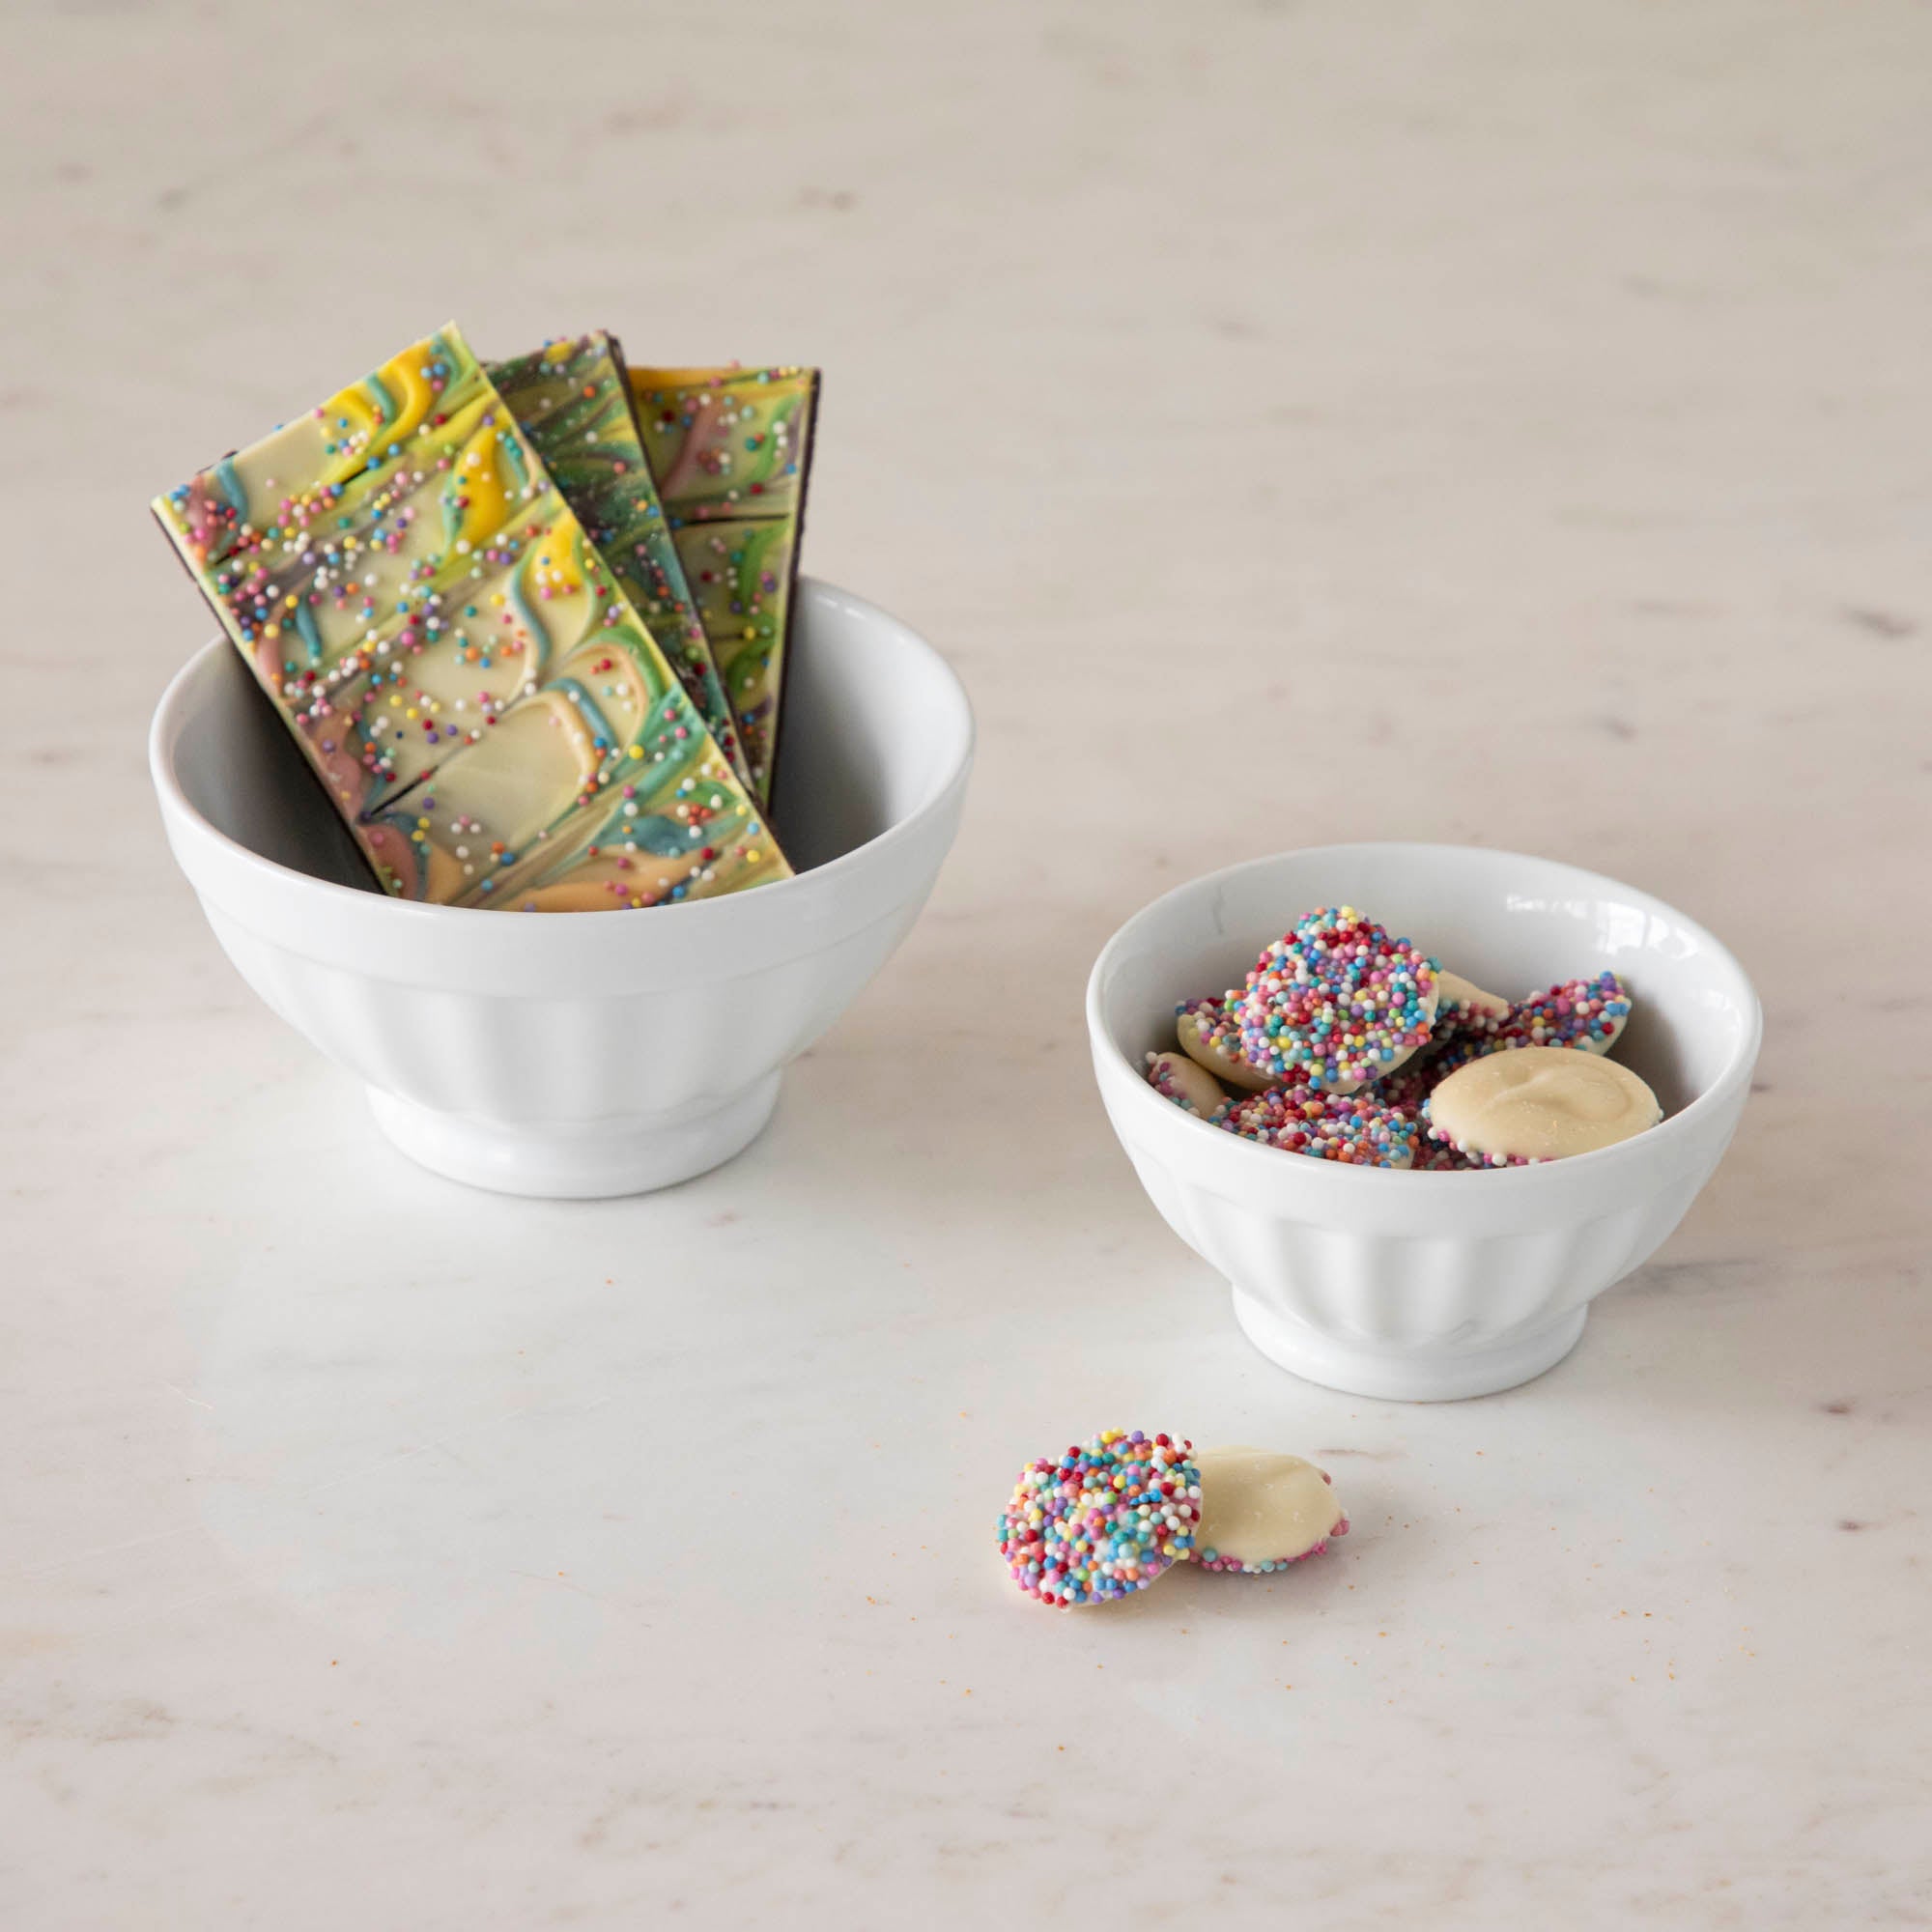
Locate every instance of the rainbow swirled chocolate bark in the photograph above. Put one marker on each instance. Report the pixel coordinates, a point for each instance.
(493, 719)
(731, 453)
(569, 397)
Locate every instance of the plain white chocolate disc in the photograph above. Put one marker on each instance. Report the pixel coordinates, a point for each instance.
(1541, 1103)
(1259, 1506)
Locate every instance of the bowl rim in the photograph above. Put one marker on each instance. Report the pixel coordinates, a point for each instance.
(170, 714)
(1717, 1094)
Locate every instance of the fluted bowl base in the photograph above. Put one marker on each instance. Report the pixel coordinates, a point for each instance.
(576, 1161)
(1396, 1374)
(579, 1055)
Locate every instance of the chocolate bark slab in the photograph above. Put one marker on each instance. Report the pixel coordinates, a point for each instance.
(571, 401)
(456, 659)
(730, 450)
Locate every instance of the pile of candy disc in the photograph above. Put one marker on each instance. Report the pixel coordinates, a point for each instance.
(1339, 1040)
(1108, 1517)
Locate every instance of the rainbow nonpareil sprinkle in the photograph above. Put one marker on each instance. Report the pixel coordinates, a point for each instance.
(1353, 1127)
(1186, 1083)
(1210, 1038)
(1587, 1015)
(1461, 1003)
(1103, 1519)
(1408, 1087)
(1447, 1157)
(1335, 1003)
(1233, 1566)
(1584, 1013)
(1436, 1155)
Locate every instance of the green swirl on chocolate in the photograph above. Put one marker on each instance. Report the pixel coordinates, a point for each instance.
(730, 450)
(571, 400)
(421, 579)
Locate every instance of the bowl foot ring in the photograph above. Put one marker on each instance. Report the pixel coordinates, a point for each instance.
(1401, 1375)
(577, 1160)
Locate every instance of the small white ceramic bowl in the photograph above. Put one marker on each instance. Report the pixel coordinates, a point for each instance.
(1427, 1286)
(591, 1053)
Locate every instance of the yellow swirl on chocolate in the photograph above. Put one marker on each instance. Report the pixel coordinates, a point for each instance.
(404, 610)
(573, 401)
(477, 491)
(385, 409)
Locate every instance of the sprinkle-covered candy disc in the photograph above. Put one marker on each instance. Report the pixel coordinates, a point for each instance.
(1335, 1003)
(1408, 1087)
(1190, 1087)
(1587, 1015)
(1103, 1519)
(1461, 1003)
(1353, 1127)
(1437, 1156)
(1209, 1034)
(1405, 1092)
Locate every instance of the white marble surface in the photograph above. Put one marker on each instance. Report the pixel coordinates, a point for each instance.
(1508, 422)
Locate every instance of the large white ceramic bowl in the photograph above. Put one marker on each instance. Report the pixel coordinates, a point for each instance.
(588, 1052)
(1411, 1285)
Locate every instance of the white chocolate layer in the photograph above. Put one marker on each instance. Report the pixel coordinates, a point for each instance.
(1541, 1103)
(1228, 1067)
(1258, 1506)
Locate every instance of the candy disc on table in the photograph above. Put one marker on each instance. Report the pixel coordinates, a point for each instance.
(1539, 1103)
(1353, 1127)
(1190, 1087)
(1210, 1035)
(1336, 1003)
(1262, 1511)
(1103, 1519)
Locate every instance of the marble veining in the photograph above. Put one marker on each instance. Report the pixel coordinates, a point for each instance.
(1528, 403)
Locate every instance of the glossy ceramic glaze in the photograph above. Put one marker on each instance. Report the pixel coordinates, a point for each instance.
(591, 1053)
(1428, 1286)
